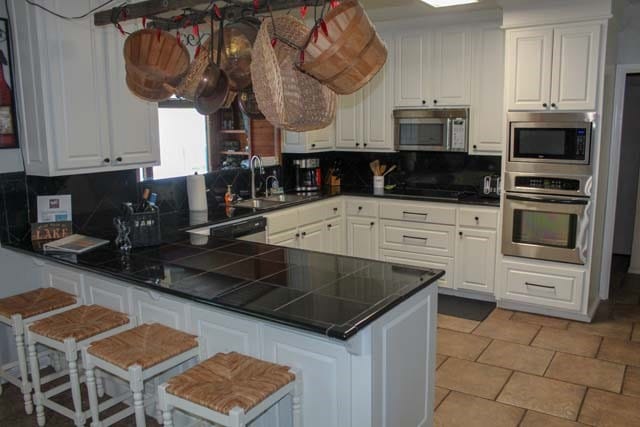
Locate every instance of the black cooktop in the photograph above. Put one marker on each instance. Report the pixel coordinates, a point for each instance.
(433, 193)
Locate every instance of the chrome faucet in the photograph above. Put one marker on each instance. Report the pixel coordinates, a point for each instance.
(266, 184)
(252, 163)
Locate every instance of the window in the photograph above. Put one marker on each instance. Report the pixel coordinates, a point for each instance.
(183, 141)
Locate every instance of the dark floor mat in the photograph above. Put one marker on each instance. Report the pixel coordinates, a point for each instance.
(465, 308)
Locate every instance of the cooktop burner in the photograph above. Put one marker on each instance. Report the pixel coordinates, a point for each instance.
(434, 193)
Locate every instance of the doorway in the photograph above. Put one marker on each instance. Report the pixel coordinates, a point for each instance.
(625, 241)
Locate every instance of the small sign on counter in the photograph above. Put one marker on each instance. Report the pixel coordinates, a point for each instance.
(54, 208)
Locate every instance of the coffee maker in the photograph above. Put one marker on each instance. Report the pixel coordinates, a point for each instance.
(308, 175)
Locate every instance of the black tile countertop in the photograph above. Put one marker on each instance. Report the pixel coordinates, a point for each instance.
(324, 293)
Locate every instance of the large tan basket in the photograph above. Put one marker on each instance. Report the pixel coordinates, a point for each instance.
(154, 59)
(287, 97)
(350, 55)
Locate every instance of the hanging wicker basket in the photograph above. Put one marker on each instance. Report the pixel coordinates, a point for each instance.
(287, 97)
(349, 54)
(153, 59)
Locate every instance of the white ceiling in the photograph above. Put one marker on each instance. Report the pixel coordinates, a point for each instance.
(381, 10)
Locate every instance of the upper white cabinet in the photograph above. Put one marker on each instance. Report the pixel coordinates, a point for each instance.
(487, 92)
(74, 116)
(307, 142)
(553, 68)
(433, 68)
(349, 121)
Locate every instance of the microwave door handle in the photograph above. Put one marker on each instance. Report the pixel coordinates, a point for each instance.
(547, 199)
(447, 134)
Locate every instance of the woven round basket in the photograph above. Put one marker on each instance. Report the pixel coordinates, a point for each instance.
(350, 54)
(187, 87)
(152, 60)
(287, 97)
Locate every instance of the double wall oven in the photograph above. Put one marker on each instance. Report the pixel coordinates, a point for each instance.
(548, 186)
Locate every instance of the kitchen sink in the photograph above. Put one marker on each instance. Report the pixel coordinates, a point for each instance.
(274, 201)
(258, 204)
(289, 198)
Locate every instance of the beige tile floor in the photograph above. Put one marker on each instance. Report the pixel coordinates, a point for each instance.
(519, 369)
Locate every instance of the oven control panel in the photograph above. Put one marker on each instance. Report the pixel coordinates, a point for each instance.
(581, 142)
(545, 183)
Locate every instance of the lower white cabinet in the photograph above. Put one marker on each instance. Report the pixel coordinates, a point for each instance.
(288, 239)
(542, 284)
(152, 307)
(421, 260)
(107, 294)
(312, 237)
(362, 237)
(475, 260)
(334, 236)
(326, 374)
(64, 280)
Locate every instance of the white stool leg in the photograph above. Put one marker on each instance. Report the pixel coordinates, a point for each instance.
(165, 408)
(56, 363)
(137, 388)
(99, 382)
(71, 354)
(297, 399)
(236, 417)
(18, 330)
(90, 373)
(35, 376)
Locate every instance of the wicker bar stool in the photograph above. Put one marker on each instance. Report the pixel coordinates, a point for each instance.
(135, 356)
(69, 332)
(18, 311)
(231, 390)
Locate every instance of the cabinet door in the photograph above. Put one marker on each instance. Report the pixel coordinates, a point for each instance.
(362, 237)
(106, 294)
(576, 50)
(321, 139)
(377, 105)
(451, 68)
(133, 123)
(334, 236)
(64, 279)
(349, 121)
(529, 69)
(421, 260)
(487, 89)
(74, 92)
(289, 239)
(411, 63)
(475, 261)
(152, 307)
(293, 142)
(312, 237)
(223, 333)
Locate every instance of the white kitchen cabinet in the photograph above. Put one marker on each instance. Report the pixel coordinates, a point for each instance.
(334, 236)
(475, 260)
(529, 56)
(153, 307)
(70, 96)
(289, 239)
(487, 93)
(312, 237)
(362, 237)
(422, 260)
(553, 68)
(451, 72)
(412, 64)
(576, 56)
(64, 279)
(349, 121)
(107, 294)
(306, 142)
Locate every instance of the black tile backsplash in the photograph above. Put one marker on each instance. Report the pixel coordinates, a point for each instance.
(432, 169)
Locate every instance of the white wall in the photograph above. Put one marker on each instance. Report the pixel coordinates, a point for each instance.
(629, 35)
(628, 169)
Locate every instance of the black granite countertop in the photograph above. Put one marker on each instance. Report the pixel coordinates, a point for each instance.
(327, 294)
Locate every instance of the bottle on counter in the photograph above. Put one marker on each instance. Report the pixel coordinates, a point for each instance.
(228, 197)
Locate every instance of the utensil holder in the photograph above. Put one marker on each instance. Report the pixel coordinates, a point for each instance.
(378, 182)
(144, 227)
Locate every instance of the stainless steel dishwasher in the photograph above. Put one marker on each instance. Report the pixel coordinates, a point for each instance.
(251, 230)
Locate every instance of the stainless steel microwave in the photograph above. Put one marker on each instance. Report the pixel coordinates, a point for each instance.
(431, 129)
(551, 138)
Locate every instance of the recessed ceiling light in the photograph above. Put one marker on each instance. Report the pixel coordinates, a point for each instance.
(445, 3)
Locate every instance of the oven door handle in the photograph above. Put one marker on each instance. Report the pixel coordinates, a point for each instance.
(547, 199)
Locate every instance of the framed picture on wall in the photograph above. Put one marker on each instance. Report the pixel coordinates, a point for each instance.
(8, 128)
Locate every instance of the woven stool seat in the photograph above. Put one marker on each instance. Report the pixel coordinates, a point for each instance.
(145, 345)
(80, 323)
(35, 302)
(230, 380)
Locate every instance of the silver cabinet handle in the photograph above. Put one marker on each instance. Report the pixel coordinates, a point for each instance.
(415, 213)
(535, 285)
(420, 239)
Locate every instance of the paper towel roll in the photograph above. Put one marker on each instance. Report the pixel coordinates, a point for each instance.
(197, 193)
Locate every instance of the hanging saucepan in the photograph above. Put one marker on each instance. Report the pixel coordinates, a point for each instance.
(236, 55)
(248, 103)
(213, 89)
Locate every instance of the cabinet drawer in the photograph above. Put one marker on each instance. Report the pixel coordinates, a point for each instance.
(482, 218)
(419, 260)
(333, 208)
(426, 239)
(543, 285)
(418, 212)
(282, 221)
(311, 214)
(362, 207)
